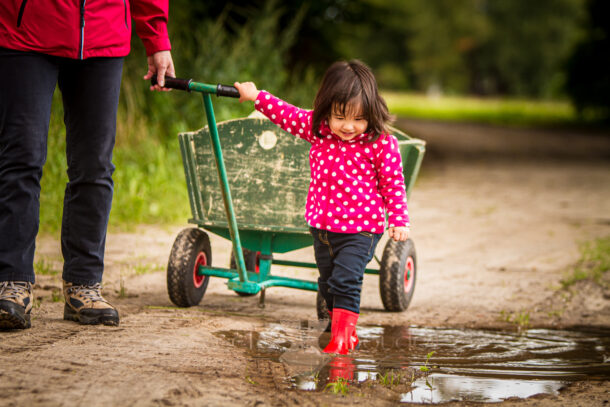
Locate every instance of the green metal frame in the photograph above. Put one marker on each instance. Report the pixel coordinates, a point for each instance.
(242, 280)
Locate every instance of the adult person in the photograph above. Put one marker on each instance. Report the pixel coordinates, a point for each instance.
(78, 45)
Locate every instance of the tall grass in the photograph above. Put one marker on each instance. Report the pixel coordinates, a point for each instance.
(149, 177)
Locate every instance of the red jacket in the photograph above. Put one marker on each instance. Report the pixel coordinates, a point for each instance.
(83, 29)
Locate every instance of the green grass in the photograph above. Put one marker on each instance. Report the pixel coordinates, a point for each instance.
(512, 112)
(341, 386)
(45, 268)
(593, 263)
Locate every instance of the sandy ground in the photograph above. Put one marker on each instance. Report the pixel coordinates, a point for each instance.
(498, 216)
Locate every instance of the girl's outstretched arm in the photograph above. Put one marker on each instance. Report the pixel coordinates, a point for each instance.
(294, 120)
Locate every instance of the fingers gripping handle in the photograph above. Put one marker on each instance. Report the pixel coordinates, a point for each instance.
(173, 83)
(184, 84)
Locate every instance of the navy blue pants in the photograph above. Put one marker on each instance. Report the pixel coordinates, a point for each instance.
(90, 94)
(341, 260)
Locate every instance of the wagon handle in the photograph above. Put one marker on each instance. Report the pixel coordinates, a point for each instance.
(173, 83)
(188, 85)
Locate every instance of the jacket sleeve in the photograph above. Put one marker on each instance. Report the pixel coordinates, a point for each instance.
(150, 18)
(294, 120)
(388, 165)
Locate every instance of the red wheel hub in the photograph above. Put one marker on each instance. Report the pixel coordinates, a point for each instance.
(257, 266)
(409, 274)
(198, 279)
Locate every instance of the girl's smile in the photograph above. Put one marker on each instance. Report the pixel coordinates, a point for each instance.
(349, 123)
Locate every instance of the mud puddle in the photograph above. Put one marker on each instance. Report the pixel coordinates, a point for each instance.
(427, 365)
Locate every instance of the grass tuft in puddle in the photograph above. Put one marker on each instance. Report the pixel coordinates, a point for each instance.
(339, 386)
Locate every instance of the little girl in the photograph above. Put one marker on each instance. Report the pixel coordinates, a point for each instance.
(356, 178)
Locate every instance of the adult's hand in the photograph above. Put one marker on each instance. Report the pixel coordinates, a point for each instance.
(160, 64)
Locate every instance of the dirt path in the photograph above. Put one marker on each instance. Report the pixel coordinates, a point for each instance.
(498, 215)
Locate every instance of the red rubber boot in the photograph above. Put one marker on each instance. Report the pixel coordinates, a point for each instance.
(353, 342)
(342, 331)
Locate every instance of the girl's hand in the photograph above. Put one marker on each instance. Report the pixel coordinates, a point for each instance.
(399, 234)
(247, 91)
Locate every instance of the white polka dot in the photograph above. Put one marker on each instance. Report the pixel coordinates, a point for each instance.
(340, 182)
(257, 102)
(280, 103)
(273, 116)
(339, 194)
(343, 228)
(269, 106)
(347, 189)
(354, 197)
(359, 228)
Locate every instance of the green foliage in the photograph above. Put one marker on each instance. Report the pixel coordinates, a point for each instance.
(588, 68)
(593, 263)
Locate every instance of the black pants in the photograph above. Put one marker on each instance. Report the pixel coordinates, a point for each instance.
(90, 94)
(341, 260)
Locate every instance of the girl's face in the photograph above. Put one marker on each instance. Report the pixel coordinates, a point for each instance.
(349, 124)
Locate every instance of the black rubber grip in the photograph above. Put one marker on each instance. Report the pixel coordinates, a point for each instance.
(173, 83)
(226, 90)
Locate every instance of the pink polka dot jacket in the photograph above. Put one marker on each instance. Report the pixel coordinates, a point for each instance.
(353, 183)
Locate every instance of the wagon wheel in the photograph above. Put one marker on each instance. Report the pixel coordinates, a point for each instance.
(191, 249)
(397, 275)
(253, 264)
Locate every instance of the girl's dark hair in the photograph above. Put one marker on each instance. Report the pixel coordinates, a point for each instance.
(347, 82)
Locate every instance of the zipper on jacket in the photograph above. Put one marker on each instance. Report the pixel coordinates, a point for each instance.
(21, 10)
(82, 29)
(125, 6)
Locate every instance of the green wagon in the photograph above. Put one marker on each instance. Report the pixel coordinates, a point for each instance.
(253, 191)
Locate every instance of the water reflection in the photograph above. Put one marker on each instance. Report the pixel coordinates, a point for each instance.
(468, 365)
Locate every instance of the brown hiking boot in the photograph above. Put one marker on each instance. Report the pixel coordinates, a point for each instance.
(85, 305)
(15, 304)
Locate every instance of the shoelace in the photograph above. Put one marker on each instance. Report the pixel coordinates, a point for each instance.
(91, 292)
(15, 290)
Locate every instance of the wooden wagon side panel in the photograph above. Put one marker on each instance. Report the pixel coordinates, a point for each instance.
(268, 174)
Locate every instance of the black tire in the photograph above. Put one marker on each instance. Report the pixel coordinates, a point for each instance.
(397, 275)
(321, 307)
(252, 260)
(191, 249)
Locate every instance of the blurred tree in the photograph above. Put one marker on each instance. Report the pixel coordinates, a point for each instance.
(527, 46)
(588, 68)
